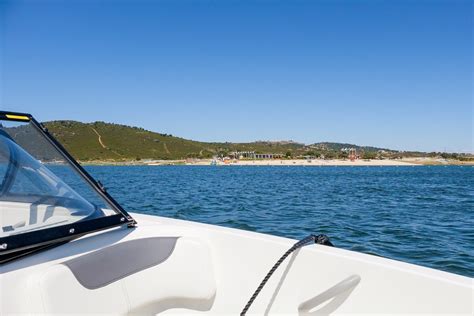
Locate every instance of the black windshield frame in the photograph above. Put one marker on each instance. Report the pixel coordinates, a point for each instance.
(15, 246)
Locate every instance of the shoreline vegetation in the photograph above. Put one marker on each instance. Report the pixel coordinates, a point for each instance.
(101, 143)
(422, 161)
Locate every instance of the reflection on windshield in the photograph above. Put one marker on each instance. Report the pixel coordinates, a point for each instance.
(32, 196)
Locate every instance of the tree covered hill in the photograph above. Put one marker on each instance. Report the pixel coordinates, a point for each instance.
(106, 141)
(109, 141)
(340, 146)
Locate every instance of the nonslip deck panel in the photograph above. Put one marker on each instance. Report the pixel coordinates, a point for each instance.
(105, 266)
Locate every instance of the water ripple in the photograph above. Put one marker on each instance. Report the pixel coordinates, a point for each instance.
(423, 215)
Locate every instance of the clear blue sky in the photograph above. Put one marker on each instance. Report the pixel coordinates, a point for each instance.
(396, 74)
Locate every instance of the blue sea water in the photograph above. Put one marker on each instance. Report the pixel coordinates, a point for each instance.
(423, 214)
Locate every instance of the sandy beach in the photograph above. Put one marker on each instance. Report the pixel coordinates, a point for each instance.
(316, 162)
(334, 162)
(422, 161)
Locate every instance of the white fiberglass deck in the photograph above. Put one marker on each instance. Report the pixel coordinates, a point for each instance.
(214, 270)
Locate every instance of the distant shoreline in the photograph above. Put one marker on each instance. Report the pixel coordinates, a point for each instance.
(288, 162)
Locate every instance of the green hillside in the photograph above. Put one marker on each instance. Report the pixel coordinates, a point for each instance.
(119, 142)
(107, 141)
(115, 142)
(339, 146)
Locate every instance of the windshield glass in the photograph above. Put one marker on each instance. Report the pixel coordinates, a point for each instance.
(39, 188)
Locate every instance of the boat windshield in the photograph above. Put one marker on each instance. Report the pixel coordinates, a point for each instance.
(40, 187)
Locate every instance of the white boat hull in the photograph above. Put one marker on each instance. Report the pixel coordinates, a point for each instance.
(215, 270)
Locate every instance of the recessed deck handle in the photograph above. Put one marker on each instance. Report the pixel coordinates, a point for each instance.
(338, 293)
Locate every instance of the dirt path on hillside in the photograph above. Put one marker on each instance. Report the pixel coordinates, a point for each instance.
(102, 144)
(166, 148)
(100, 138)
